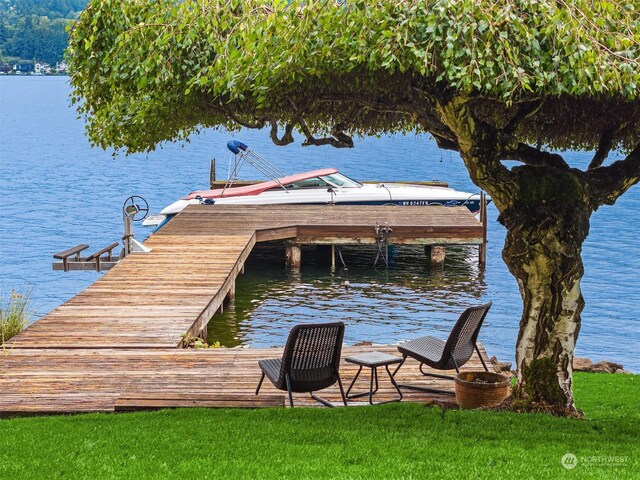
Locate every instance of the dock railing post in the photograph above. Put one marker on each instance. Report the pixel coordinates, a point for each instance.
(204, 333)
(212, 173)
(482, 251)
(128, 234)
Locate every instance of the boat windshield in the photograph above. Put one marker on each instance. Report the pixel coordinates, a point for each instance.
(325, 181)
(340, 180)
(315, 182)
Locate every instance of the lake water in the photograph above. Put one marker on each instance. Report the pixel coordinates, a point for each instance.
(56, 192)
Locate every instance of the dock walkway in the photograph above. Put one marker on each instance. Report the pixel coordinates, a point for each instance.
(44, 381)
(121, 332)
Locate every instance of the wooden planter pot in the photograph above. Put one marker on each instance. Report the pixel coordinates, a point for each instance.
(489, 391)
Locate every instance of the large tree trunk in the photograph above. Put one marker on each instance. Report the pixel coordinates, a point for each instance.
(545, 206)
(547, 224)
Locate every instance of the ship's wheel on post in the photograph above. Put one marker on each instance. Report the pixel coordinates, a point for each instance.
(134, 209)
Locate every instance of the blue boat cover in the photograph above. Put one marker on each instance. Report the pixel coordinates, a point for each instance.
(235, 146)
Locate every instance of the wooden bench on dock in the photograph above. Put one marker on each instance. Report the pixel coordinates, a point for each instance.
(71, 260)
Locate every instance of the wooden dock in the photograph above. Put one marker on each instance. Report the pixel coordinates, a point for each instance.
(120, 335)
(47, 381)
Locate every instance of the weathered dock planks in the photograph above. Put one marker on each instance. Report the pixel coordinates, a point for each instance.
(148, 300)
(41, 381)
(151, 300)
(333, 223)
(116, 342)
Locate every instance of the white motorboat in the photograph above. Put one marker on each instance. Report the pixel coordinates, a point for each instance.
(315, 187)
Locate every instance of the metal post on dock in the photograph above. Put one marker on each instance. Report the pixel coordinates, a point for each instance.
(212, 173)
(128, 234)
(333, 257)
(482, 251)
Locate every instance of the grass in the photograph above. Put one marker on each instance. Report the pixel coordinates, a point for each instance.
(389, 441)
(14, 315)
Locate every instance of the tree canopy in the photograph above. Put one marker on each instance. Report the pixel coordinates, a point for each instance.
(554, 71)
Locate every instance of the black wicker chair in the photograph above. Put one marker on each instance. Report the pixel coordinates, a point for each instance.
(453, 353)
(310, 361)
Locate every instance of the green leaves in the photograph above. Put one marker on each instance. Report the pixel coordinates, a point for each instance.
(177, 65)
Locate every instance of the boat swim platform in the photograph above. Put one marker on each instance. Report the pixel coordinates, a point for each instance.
(155, 299)
(69, 381)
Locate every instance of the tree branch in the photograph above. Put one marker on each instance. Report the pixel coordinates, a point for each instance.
(479, 144)
(535, 157)
(418, 110)
(608, 183)
(261, 122)
(287, 136)
(524, 111)
(339, 139)
(445, 143)
(429, 120)
(255, 124)
(512, 149)
(604, 147)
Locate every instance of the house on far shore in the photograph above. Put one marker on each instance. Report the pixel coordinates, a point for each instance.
(42, 68)
(61, 67)
(5, 68)
(22, 68)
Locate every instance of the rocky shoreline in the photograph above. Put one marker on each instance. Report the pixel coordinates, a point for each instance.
(580, 364)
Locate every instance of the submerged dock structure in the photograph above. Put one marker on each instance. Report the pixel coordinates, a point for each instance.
(119, 339)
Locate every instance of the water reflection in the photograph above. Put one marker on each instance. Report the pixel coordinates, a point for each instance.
(381, 305)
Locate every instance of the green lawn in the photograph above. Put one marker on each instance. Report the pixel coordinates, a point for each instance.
(389, 441)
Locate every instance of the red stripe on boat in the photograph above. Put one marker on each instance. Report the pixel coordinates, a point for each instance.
(259, 187)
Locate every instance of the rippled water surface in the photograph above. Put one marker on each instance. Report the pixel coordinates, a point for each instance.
(378, 304)
(56, 191)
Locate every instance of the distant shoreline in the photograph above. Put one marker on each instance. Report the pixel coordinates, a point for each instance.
(2, 74)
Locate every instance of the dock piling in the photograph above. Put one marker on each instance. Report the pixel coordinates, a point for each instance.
(436, 255)
(231, 294)
(333, 257)
(293, 256)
